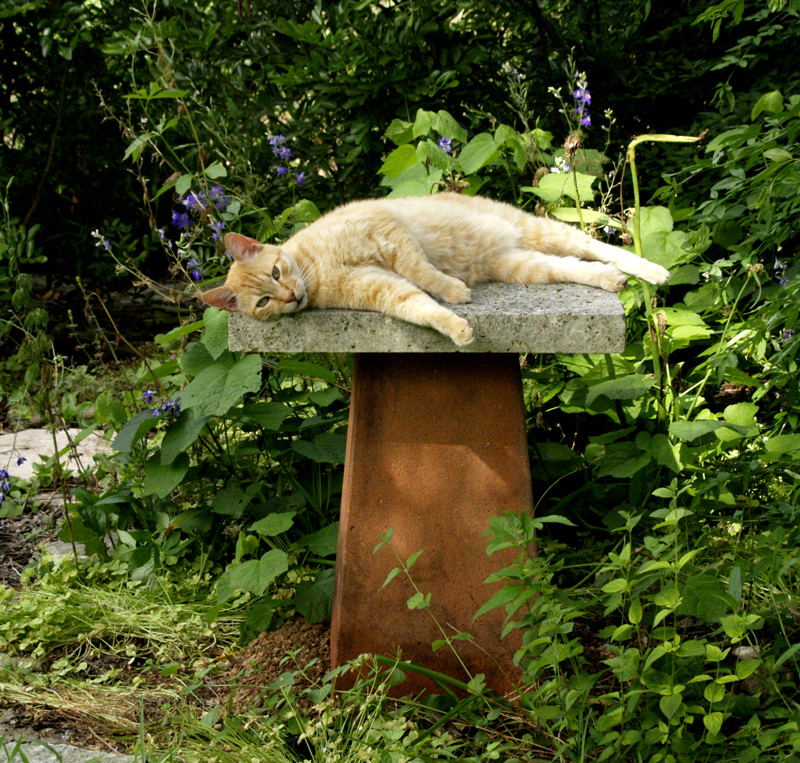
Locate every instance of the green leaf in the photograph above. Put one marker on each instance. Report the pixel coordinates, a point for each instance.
(746, 668)
(253, 576)
(419, 601)
(713, 722)
(134, 430)
(622, 388)
(161, 479)
(323, 542)
(215, 335)
(326, 448)
(735, 583)
(447, 127)
(314, 601)
(399, 160)
(772, 102)
(273, 524)
(783, 443)
(216, 170)
(216, 389)
(181, 435)
(231, 501)
(556, 185)
(267, 415)
(304, 369)
(183, 184)
(778, 155)
(197, 358)
(670, 704)
(479, 152)
(688, 431)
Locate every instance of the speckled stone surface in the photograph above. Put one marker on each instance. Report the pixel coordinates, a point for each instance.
(506, 318)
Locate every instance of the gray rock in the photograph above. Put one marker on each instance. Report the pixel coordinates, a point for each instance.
(37, 752)
(37, 445)
(506, 318)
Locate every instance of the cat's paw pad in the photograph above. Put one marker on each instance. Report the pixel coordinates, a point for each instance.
(463, 336)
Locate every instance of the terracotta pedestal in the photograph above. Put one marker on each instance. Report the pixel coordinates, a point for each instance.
(436, 446)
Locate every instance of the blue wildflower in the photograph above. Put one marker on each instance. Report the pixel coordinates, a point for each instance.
(301, 178)
(281, 170)
(3, 474)
(181, 220)
(217, 228)
(446, 144)
(285, 153)
(21, 460)
(147, 395)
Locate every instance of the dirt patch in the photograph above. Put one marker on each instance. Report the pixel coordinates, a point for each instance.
(22, 536)
(299, 647)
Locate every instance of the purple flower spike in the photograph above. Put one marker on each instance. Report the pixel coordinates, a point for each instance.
(181, 220)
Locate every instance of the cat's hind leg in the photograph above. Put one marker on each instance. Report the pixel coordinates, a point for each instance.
(372, 288)
(521, 266)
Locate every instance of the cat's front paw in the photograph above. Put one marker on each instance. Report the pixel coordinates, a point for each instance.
(457, 294)
(464, 335)
(613, 280)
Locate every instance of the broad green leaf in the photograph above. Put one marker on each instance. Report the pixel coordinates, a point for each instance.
(253, 576)
(161, 479)
(783, 443)
(688, 431)
(323, 542)
(134, 429)
(178, 332)
(305, 369)
(556, 185)
(410, 188)
(216, 170)
(479, 152)
(622, 388)
(587, 216)
(183, 183)
(216, 389)
(713, 722)
(267, 415)
(399, 160)
(314, 601)
(215, 335)
(231, 501)
(447, 127)
(778, 155)
(273, 524)
(772, 102)
(197, 358)
(181, 435)
(326, 448)
(669, 705)
(399, 132)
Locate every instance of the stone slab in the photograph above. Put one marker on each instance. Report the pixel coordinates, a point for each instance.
(37, 752)
(507, 318)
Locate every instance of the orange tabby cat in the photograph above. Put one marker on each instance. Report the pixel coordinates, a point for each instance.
(394, 255)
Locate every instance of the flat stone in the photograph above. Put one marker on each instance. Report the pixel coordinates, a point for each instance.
(63, 753)
(513, 318)
(37, 445)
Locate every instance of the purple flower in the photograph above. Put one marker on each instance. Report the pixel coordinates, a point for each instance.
(285, 153)
(193, 200)
(147, 395)
(446, 144)
(281, 170)
(586, 121)
(276, 141)
(5, 486)
(21, 460)
(301, 178)
(217, 228)
(181, 220)
(3, 474)
(217, 195)
(583, 95)
(197, 274)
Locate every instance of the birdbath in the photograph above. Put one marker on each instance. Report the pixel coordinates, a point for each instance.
(436, 445)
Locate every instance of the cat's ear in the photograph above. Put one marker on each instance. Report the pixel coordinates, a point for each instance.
(222, 297)
(241, 247)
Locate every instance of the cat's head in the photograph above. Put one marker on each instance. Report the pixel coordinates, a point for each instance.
(264, 281)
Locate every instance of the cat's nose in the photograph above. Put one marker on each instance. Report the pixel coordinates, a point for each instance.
(292, 296)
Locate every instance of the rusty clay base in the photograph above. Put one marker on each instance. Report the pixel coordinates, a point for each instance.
(436, 446)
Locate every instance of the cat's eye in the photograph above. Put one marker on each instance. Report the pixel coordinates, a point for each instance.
(276, 274)
(262, 302)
